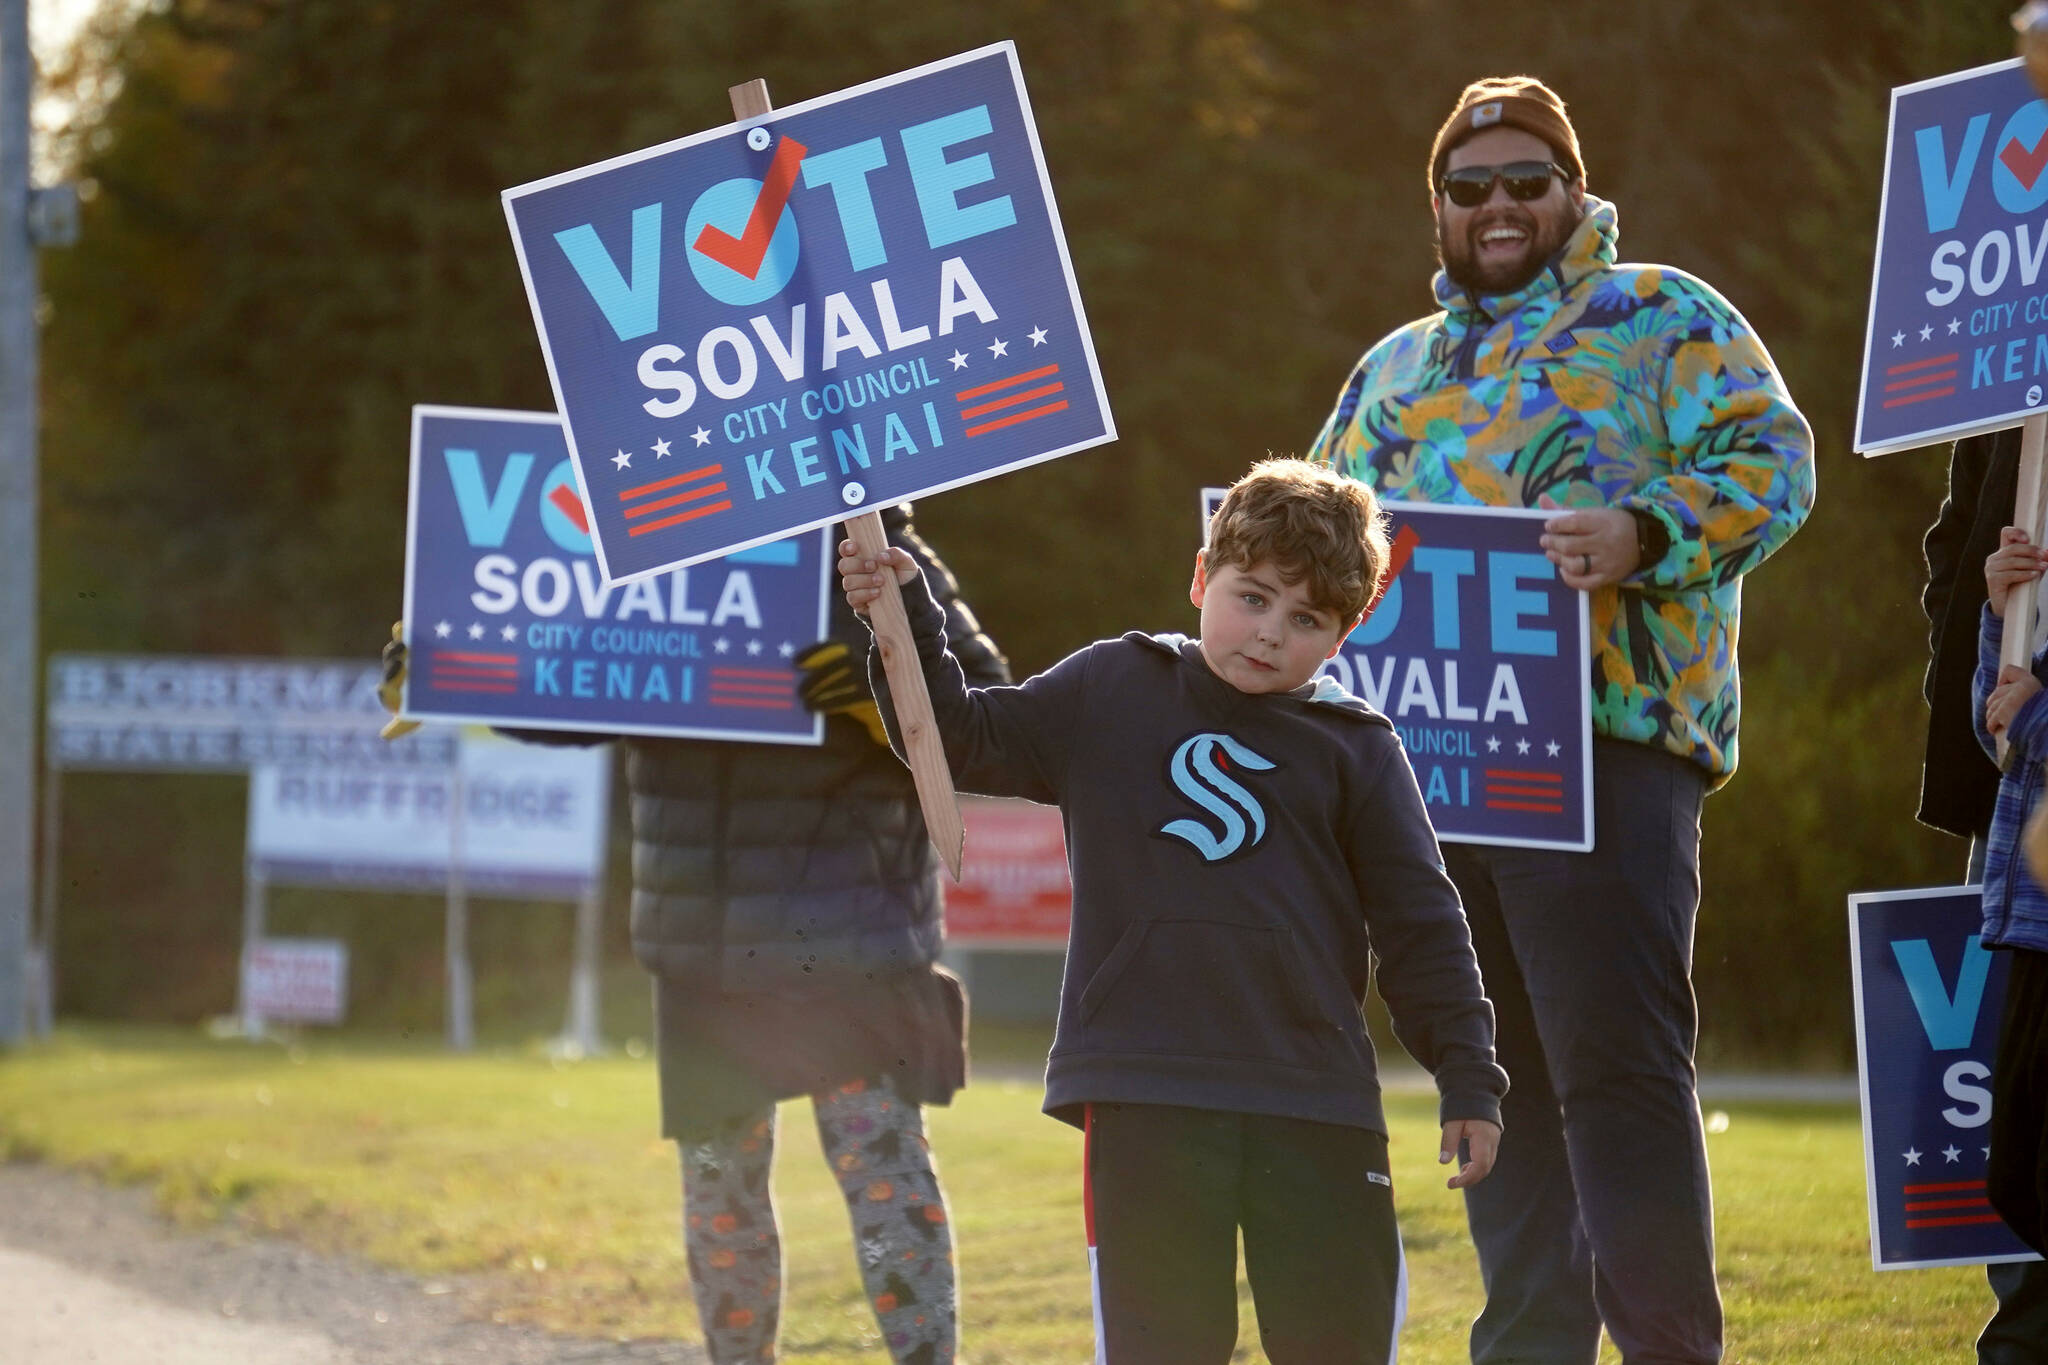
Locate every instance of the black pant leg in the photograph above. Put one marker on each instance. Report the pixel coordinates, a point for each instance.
(1321, 1248)
(2017, 1176)
(1162, 1206)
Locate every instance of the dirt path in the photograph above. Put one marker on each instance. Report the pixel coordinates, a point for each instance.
(92, 1276)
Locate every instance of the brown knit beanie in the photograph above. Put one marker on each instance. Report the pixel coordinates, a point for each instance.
(1508, 102)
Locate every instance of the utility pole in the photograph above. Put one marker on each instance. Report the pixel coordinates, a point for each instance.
(28, 218)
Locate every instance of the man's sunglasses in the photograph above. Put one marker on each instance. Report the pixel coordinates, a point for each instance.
(1469, 186)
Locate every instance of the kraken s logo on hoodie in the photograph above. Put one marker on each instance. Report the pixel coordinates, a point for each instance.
(1198, 770)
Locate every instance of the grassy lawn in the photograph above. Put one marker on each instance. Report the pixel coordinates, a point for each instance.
(543, 1185)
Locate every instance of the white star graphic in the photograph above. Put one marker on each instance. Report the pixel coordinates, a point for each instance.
(1954, 325)
(1951, 1153)
(1553, 748)
(510, 632)
(1987, 1154)
(441, 629)
(1038, 336)
(959, 360)
(1521, 746)
(1926, 332)
(722, 646)
(661, 450)
(476, 630)
(754, 647)
(1898, 339)
(622, 461)
(701, 436)
(999, 347)
(1493, 744)
(1912, 1156)
(785, 649)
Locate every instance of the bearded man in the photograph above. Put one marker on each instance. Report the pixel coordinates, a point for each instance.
(1638, 403)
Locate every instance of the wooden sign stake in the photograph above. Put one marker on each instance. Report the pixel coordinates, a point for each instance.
(892, 636)
(2028, 515)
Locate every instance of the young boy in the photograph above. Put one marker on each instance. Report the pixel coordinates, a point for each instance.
(1243, 842)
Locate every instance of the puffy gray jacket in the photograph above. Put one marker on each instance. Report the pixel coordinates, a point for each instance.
(771, 867)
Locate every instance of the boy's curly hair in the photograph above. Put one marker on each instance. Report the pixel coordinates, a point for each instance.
(1311, 523)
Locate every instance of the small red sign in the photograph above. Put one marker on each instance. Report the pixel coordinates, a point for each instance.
(1013, 890)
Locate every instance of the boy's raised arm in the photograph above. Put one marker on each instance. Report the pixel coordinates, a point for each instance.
(1000, 741)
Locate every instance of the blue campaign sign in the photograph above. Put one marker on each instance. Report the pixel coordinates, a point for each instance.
(1928, 998)
(1479, 655)
(509, 622)
(1958, 334)
(830, 309)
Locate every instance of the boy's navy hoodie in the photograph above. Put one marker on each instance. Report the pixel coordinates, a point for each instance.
(1238, 860)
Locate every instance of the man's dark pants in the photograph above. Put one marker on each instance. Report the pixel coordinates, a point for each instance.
(1598, 1209)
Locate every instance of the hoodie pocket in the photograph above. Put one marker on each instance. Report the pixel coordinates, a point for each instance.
(1203, 987)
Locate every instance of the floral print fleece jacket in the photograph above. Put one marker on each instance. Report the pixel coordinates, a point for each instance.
(1603, 385)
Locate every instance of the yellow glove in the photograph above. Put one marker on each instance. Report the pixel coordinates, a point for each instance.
(833, 686)
(392, 689)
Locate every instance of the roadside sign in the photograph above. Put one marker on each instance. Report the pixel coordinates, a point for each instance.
(296, 980)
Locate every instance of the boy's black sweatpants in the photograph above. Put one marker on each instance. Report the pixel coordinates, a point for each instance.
(1168, 1189)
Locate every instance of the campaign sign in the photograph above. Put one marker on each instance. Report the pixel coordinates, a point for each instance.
(1479, 654)
(1928, 999)
(832, 308)
(534, 821)
(1014, 892)
(1958, 334)
(509, 622)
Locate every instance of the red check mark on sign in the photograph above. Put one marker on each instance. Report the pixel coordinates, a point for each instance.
(569, 505)
(1402, 550)
(2025, 164)
(744, 252)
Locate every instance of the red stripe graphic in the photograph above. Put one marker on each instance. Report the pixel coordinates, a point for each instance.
(1920, 1205)
(1015, 418)
(1525, 805)
(994, 385)
(1953, 1222)
(441, 654)
(719, 699)
(1920, 397)
(1943, 1189)
(1951, 358)
(628, 494)
(772, 674)
(440, 686)
(1503, 789)
(1514, 775)
(772, 689)
(1013, 400)
(1931, 377)
(458, 671)
(681, 517)
(691, 496)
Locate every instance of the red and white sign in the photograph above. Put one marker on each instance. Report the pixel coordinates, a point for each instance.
(296, 980)
(1013, 891)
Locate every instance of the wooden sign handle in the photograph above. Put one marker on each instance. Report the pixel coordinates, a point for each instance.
(2029, 512)
(892, 636)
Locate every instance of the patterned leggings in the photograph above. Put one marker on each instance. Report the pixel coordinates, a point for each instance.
(875, 1144)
